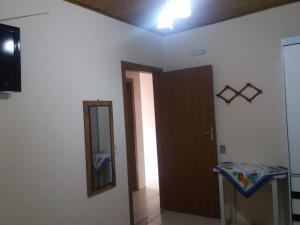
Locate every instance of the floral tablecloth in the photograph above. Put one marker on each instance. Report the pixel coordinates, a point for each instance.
(249, 178)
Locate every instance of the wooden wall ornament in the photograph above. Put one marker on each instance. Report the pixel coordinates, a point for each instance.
(250, 99)
(239, 93)
(228, 88)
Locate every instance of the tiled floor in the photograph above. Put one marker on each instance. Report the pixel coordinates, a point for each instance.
(147, 211)
(146, 203)
(173, 218)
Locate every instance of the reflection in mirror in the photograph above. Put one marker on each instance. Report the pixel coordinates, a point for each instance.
(99, 146)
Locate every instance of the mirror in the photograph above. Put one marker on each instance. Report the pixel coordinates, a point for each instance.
(99, 146)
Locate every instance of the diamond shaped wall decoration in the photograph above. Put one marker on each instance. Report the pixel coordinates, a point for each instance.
(251, 98)
(226, 89)
(240, 93)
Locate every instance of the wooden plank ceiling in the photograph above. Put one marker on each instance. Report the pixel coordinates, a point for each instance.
(144, 13)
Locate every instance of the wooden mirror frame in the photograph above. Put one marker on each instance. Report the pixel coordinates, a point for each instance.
(88, 146)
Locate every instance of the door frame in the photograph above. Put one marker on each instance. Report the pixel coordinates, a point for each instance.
(156, 72)
(135, 183)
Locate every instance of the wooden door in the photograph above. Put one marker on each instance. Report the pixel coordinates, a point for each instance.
(131, 137)
(187, 144)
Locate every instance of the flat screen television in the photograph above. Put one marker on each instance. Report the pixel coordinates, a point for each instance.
(10, 59)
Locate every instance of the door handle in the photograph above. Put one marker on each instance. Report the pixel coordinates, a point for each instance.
(211, 133)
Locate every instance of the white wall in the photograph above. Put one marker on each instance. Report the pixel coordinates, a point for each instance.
(74, 54)
(135, 76)
(145, 128)
(242, 50)
(149, 129)
(68, 56)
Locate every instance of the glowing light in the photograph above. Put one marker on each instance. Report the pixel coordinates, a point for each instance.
(9, 46)
(172, 10)
(182, 8)
(166, 18)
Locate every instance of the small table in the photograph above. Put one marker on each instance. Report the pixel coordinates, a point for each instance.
(274, 182)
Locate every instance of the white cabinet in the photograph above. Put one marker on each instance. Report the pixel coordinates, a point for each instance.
(291, 56)
(295, 181)
(291, 60)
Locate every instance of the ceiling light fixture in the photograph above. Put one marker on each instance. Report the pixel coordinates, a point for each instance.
(173, 9)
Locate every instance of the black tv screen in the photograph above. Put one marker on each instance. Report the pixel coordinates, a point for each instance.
(10, 58)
